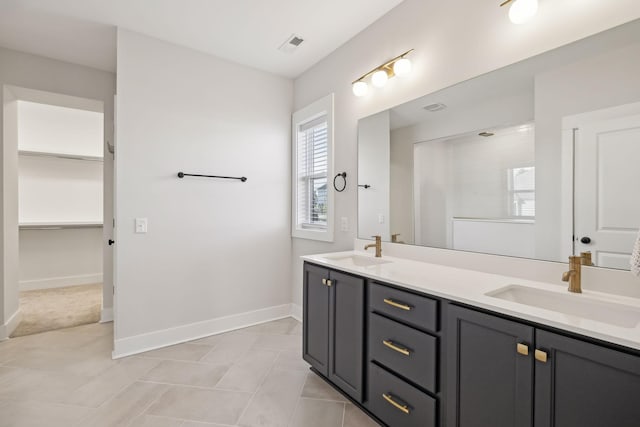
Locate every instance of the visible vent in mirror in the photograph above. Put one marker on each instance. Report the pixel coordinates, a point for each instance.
(432, 108)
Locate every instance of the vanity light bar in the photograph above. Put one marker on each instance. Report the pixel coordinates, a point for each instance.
(397, 66)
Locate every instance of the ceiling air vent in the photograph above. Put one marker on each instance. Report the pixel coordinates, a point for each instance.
(486, 134)
(432, 108)
(291, 44)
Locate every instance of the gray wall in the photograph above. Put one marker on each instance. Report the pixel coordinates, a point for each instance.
(215, 249)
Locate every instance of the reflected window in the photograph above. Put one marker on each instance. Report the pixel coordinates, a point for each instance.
(522, 192)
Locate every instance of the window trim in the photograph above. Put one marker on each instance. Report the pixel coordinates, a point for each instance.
(311, 112)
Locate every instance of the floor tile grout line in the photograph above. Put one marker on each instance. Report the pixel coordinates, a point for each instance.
(131, 380)
(144, 412)
(199, 387)
(239, 361)
(192, 362)
(289, 424)
(120, 390)
(293, 414)
(257, 389)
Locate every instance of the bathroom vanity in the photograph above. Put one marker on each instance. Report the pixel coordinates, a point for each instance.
(419, 344)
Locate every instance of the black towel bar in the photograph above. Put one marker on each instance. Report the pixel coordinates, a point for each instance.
(240, 178)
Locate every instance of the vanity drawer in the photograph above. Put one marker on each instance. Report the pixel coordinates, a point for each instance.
(416, 310)
(404, 350)
(397, 403)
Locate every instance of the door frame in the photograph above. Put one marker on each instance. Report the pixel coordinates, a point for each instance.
(57, 97)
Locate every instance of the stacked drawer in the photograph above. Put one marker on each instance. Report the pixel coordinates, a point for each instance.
(403, 357)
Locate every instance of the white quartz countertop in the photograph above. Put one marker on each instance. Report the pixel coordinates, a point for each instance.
(470, 287)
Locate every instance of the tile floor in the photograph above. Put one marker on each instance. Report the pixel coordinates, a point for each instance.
(250, 377)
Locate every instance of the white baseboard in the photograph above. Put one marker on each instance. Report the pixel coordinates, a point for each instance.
(60, 282)
(157, 339)
(106, 315)
(296, 312)
(10, 325)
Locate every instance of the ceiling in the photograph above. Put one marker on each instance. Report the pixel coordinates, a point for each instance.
(248, 32)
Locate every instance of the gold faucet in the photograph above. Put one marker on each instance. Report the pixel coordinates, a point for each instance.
(394, 238)
(586, 258)
(377, 245)
(573, 276)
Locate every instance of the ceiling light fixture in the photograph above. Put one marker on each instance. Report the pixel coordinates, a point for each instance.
(521, 11)
(398, 66)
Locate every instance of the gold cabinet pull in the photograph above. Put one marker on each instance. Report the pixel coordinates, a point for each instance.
(324, 281)
(522, 349)
(394, 346)
(392, 303)
(541, 356)
(401, 407)
(329, 282)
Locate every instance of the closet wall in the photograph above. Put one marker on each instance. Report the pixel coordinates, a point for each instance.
(60, 174)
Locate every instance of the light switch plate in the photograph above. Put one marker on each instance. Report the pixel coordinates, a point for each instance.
(141, 225)
(380, 219)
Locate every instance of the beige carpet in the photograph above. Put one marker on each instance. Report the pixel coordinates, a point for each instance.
(48, 309)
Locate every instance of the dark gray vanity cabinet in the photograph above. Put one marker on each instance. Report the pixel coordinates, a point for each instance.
(504, 373)
(403, 343)
(315, 318)
(415, 360)
(489, 370)
(583, 384)
(333, 323)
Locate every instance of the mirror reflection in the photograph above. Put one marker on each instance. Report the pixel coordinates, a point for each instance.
(537, 159)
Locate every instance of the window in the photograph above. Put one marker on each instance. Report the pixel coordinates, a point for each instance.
(522, 194)
(312, 195)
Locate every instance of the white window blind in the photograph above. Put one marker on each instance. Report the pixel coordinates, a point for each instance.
(312, 195)
(312, 173)
(522, 190)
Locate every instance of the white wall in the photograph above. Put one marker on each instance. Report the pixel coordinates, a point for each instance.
(53, 128)
(479, 171)
(432, 177)
(450, 47)
(57, 258)
(29, 71)
(401, 189)
(59, 190)
(374, 154)
(498, 237)
(9, 225)
(215, 249)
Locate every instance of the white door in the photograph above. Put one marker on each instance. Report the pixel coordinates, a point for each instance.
(607, 188)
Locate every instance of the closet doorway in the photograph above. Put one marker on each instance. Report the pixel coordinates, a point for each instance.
(60, 211)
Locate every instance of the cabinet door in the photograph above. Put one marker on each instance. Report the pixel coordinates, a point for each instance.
(315, 342)
(584, 385)
(488, 382)
(346, 325)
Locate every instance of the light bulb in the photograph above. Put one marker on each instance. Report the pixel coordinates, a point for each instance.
(523, 10)
(360, 88)
(379, 78)
(402, 67)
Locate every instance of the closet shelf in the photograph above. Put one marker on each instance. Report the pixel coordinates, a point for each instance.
(61, 155)
(58, 225)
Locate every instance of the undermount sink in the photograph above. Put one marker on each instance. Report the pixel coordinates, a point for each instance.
(625, 316)
(358, 260)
